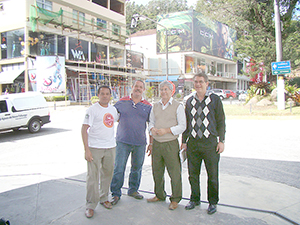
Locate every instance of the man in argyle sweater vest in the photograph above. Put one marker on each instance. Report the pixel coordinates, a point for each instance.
(204, 141)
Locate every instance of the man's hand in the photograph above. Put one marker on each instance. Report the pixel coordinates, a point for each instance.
(163, 131)
(183, 146)
(149, 150)
(220, 147)
(154, 131)
(88, 155)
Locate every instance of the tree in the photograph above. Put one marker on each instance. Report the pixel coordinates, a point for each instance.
(151, 10)
(253, 21)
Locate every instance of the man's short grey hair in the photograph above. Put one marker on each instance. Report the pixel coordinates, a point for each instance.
(205, 77)
(166, 83)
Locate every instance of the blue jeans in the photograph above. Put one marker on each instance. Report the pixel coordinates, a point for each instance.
(137, 159)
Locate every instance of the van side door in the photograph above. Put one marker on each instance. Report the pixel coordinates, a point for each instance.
(5, 115)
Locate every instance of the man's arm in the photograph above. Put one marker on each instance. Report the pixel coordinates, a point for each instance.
(186, 132)
(149, 148)
(221, 126)
(84, 135)
(181, 119)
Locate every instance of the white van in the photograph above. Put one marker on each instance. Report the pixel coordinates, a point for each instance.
(28, 109)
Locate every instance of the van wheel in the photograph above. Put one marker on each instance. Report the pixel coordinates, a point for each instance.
(34, 126)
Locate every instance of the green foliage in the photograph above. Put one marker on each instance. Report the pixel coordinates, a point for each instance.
(151, 10)
(56, 98)
(94, 99)
(149, 92)
(293, 92)
(178, 95)
(295, 81)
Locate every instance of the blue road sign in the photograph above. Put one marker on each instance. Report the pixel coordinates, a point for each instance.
(281, 67)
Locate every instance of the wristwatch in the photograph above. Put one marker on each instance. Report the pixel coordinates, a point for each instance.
(223, 141)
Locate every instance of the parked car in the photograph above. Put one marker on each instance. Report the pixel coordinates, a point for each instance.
(243, 96)
(28, 109)
(238, 92)
(221, 93)
(230, 94)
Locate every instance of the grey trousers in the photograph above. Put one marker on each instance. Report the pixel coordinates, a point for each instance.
(166, 154)
(102, 167)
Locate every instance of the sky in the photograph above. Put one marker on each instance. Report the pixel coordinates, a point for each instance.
(144, 2)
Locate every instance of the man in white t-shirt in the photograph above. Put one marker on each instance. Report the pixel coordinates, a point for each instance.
(100, 148)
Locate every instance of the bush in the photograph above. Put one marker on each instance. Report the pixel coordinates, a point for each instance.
(178, 95)
(56, 98)
(94, 99)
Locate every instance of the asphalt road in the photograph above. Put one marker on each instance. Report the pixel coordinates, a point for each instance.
(265, 149)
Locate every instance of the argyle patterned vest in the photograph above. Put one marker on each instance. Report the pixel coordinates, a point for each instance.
(200, 123)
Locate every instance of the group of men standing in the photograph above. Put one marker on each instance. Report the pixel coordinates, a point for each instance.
(201, 123)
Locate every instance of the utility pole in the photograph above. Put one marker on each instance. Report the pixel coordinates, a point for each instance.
(280, 80)
(134, 21)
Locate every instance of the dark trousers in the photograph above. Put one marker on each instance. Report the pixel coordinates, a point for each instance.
(166, 154)
(196, 152)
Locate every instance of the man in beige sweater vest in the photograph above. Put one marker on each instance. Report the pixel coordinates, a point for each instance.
(167, 121)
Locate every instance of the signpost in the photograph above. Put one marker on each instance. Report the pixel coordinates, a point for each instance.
(279, 68)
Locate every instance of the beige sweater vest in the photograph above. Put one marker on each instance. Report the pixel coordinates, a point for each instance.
(165, 119)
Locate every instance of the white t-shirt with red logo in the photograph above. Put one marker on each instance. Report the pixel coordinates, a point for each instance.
(101, 121)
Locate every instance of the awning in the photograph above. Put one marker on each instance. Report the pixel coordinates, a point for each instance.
(161, 78)
(8, 77)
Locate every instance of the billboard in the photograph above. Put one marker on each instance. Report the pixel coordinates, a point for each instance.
(191, 31)
(180, 33)
(213, 38)
(50, 74)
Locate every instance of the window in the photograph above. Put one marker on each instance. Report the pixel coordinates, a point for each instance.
(78, 17)
(115, 29)
(99, 53)
(100, 2)
(12, 44)
(101, 25)
(45, 4)
(3, 106)
(41, 43)
(116, 56)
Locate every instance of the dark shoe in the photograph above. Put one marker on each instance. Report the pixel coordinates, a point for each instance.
(115, 200)
(89, 213)
(192, 205)
(211, 209)
(154, 199)
(106, 204)
(136, 195)
(173, 205)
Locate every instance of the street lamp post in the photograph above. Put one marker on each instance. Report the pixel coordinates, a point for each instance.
(134, 21)
(280, 80)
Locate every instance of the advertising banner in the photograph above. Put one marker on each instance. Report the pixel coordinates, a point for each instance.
(78, 50)
(191, 31)
(50, 74)
(189, 64)
(179, 27)
(213, 38)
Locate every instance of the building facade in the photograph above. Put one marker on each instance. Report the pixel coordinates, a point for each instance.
(195, 44)
(64, 47)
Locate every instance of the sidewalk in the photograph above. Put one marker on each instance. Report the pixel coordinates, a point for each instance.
(62, 202)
